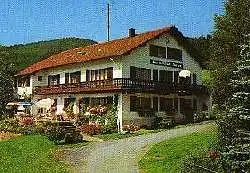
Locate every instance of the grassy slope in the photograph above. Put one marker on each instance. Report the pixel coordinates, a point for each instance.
(29, 154)
(168, 156)
(24, 55)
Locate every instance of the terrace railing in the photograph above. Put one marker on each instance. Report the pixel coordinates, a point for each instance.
(118, 85)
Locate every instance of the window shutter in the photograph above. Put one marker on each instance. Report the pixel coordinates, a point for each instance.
(58, 79)
(110, 73)
(87, 75)
(66, 78)
(153, 50)
(194, 79)
(132, 72)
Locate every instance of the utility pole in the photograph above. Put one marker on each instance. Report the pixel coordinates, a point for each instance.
(108, 24)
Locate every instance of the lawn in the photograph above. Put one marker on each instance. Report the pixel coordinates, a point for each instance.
(168, 156)
(29, 154)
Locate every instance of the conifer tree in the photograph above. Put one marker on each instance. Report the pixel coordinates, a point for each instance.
(230, 30)
(234, 127)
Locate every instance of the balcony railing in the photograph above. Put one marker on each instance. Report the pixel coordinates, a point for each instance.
(118, 85)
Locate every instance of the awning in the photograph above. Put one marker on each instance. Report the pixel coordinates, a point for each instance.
(44, 103)
(19, 104)
(13, 104)
(184, 73)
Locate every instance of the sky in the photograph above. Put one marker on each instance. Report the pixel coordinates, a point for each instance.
(26, 21)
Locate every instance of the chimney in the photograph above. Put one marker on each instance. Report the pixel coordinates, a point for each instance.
(131, 32)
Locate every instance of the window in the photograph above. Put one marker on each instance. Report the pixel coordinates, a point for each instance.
(140, 103)
(39, 78)
(140, 73)
(157, 51)
(176, 104)
(68, 101)
(95, 101)
(54, 79)
(166, 76)
(176, 76)
(145, 103)
(155, 103)
(155, 75)
(134, 103)
(195, 104)
(185, 104)
(175, 54)
(166, 104)
(100, 74)
(24, 82)
(75, 77)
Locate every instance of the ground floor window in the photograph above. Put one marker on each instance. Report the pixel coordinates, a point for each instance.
(140, 103)
(155, 103)
(185, 105)
(96, 101)
(68, 101)
(166, 104)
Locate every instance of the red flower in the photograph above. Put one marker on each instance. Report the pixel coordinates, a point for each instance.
(213, 154)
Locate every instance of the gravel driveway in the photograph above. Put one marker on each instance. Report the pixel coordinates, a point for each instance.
(121, 156)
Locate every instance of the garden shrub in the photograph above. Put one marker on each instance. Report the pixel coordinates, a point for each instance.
(60, 134)
(131, 128)
(25, 125)
(10, 125)
(26, 121)
(91, 129)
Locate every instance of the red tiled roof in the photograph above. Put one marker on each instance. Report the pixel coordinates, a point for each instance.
(94, 52)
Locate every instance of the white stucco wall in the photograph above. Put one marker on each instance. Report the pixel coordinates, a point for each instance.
(140, 58)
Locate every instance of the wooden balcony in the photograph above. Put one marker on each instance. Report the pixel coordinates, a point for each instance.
(120, 85)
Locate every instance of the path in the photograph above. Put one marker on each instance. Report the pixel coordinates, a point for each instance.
(121, 156)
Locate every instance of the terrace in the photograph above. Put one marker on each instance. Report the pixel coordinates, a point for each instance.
(120, 85)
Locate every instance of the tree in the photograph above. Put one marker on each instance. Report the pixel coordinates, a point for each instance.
(229, 33)
(6, 85)
(234, 125)
(201, 46)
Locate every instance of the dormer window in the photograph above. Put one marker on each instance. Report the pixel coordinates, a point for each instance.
(157, 51)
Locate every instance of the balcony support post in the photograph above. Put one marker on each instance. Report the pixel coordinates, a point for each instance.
(119, 112)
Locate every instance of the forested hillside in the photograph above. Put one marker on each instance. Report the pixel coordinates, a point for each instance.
(22, 56)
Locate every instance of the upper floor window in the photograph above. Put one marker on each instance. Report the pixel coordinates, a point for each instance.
(157, 51)
(24, 82)
(166, 76)
(99, 74)
(73, 77)
(54, 79)
(175, 54)
(140, 73)
(39, 78)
